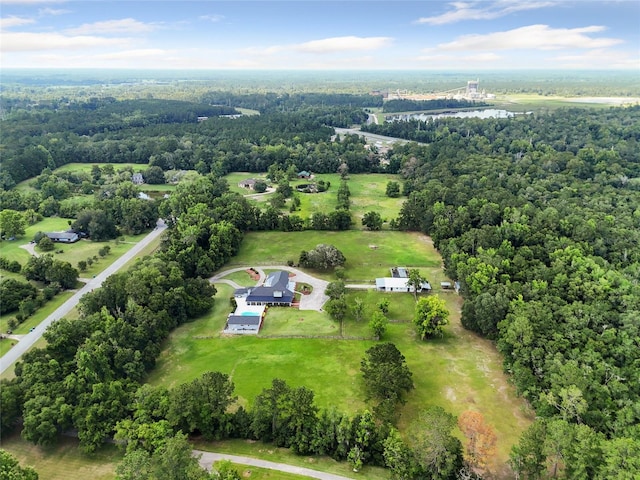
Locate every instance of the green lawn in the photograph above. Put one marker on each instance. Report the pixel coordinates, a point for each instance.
(64, 460)
(257, 473)
(367, 194)
(253, 362)
(11, 248)
(236, 177)
(369, 254)
(241, 278)
(291, 321)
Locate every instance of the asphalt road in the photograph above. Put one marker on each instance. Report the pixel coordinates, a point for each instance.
(207, 459)
(372, 137)
(27, 341)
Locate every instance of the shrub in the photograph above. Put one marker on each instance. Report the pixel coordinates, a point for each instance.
(46, 244)
(10, 265)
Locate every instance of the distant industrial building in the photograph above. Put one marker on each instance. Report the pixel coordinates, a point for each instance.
(469, 92)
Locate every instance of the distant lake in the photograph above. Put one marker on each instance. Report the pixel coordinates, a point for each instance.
(488, 113)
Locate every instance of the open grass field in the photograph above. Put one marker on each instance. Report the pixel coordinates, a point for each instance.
(459, 371)
(65, 460)
(253, 362)
(522, 102)
(367, 194)
(369, 254)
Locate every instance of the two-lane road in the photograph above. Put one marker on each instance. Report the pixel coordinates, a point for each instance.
(27, 341)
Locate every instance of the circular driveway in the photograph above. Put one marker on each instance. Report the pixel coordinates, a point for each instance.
(314, 301)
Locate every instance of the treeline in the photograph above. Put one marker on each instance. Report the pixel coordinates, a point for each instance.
(537, 218)
(270, 101)
(286, 417)
(565, 130)
(404, 105)
(116, 133)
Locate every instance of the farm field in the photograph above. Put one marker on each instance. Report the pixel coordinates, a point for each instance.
(459, 371)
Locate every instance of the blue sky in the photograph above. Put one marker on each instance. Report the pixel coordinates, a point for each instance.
(321, 35)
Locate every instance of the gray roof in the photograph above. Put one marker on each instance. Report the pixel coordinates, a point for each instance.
(275, 289)
(243, 320)
(66, 235)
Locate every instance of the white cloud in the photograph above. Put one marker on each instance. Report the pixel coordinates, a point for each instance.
(53, 11)
(324, 46)
(481, 11)
(141, 53)
(125, 25)
(12, 21)
(488, 57)
(343, 44)
(212, 18)
(540, 37)
(25, 41)
(599, 57)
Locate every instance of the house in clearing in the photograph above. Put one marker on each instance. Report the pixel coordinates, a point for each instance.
(304, 174)
(399, 284)
(248, 183)
(63, 237)
(276, 290)
(137, 178)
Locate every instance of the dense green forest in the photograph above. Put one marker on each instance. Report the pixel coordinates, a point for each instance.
(537, 216)
(168, 135)
(404, 105)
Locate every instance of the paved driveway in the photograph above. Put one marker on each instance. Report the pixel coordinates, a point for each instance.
(207, 460)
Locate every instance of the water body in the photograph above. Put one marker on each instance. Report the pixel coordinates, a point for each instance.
(488, 113)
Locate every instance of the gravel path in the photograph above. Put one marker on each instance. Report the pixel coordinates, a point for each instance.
(31, 248)
(207, 460)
